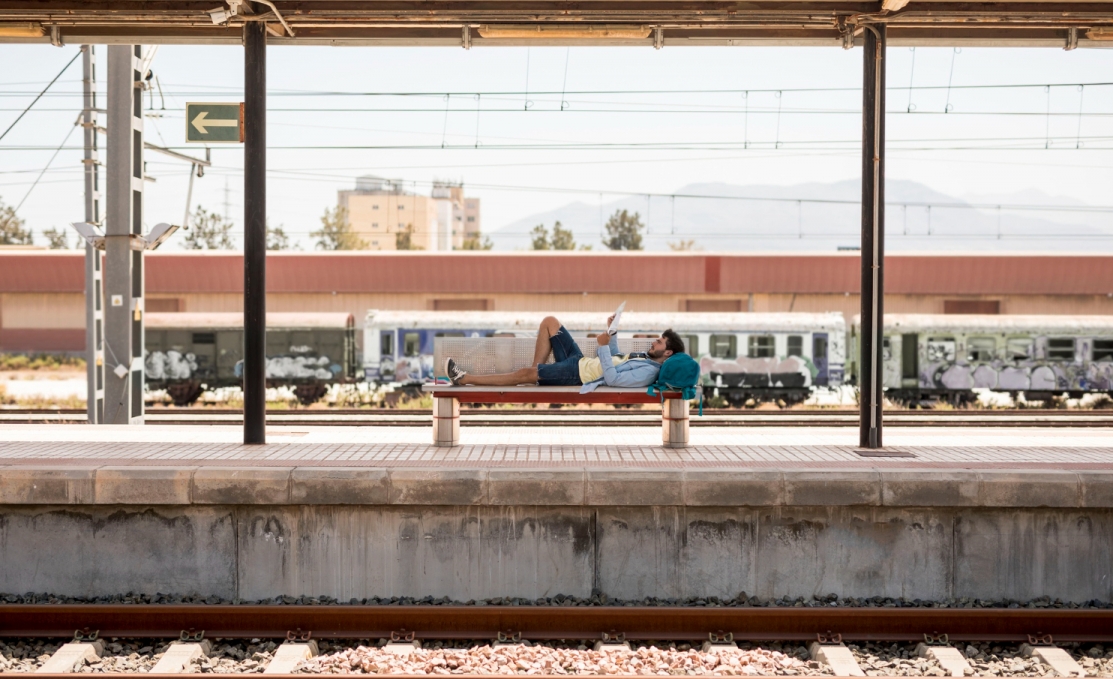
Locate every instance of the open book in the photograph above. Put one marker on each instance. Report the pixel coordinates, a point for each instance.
(613, 329)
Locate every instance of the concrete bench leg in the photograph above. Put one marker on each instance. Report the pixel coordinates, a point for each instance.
(446, 422)
(674, 423)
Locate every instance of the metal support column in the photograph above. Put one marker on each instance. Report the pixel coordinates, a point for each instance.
(255, 233)
(94, 277)
(870, 384)
(123, 277)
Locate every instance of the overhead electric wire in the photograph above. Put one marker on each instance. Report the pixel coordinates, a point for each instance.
(40, 95)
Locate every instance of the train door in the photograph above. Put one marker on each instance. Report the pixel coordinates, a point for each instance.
(910, 360)
(819, 359)
(387, 358)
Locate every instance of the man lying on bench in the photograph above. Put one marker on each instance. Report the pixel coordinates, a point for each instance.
(572, 368)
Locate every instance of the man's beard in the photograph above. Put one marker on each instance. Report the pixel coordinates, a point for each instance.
(655, 356)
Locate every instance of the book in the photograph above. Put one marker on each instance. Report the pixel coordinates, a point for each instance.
(613, 330)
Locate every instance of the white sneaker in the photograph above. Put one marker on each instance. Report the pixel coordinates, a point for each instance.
(455, 374)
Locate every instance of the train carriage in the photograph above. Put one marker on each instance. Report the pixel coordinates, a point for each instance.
(189, 353)
(934, 357)
(747, 357)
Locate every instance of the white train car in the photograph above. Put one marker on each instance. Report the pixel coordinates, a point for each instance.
(946, 357)
(747, 356)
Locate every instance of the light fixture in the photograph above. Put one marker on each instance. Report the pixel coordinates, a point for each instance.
(564, 31)
(25, 30)
(156, 237)
(893, 5)
(1100, 34)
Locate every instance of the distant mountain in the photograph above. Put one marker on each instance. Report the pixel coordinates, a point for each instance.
(724, 217)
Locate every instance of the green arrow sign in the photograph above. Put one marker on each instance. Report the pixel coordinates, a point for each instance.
(209, 123)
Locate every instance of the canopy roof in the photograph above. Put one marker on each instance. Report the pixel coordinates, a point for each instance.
(469, 23)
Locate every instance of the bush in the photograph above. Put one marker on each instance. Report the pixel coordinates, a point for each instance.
(41, 362)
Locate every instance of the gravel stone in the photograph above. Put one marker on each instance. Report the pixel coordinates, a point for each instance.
(597, 598)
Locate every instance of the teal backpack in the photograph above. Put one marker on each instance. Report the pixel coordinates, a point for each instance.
(679, 372)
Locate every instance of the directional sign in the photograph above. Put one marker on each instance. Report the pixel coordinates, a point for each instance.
(214, 123)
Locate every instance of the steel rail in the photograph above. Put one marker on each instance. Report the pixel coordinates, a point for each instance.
(556, 622)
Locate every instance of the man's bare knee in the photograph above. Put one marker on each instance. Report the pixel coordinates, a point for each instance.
(551, 324)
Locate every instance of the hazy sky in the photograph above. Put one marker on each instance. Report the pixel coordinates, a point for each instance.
(497, 114)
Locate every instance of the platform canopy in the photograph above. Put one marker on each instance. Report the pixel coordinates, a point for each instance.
(468, 23)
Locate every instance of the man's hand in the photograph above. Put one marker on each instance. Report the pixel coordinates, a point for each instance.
(603, 339)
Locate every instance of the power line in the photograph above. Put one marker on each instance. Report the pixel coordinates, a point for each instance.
(48, 86)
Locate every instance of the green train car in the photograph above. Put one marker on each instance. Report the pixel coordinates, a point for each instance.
(188, 354)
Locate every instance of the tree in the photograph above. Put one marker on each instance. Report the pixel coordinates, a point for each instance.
(473, 243)
(562, 238)
(208, 231)
(277, 238)
(624, 231)
(56, 239)
(682, 246)
(540, 238)
(336, 232)
(11, 227)
(404, 240)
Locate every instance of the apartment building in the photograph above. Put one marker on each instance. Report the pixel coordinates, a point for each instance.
(381, 209)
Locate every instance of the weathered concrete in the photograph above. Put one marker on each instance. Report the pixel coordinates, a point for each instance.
(949, 658)
(555, 485)
(471, 533)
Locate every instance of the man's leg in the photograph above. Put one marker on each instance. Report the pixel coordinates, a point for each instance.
(549, 327)
(522, 376)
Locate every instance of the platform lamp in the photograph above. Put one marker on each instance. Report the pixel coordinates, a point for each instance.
(95, 329)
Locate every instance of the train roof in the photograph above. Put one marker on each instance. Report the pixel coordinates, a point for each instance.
(992, 323)
(631, 321)
(218, 320)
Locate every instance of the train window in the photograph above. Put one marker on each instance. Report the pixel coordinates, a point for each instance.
(643, 335)
(940, 349)
(1018, 349)
(724, 346)
(762, 346)
(411, 345)
(1103, 350)
(1060, 349)
(691, 344)
(449, 334)
(386, 344)
(980, 349)
(204, 338)
(795, 345)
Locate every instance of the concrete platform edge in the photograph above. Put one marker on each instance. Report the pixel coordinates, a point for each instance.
(565, 486)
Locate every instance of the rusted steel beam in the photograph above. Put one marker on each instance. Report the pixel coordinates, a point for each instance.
(554, 622)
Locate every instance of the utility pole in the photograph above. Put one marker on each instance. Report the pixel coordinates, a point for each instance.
(123, 394)
(94, 275)
(255, 233)
(871, 386)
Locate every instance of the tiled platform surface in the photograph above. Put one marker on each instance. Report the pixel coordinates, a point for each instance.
(557, 447)
(967, 467)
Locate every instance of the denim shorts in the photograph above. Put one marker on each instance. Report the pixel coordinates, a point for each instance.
(564, 371)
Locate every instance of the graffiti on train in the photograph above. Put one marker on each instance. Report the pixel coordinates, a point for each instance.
(170, 365)
(297, 368)
(1017, 376)
(793, 371)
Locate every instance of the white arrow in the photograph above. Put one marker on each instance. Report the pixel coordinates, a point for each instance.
(201, 123)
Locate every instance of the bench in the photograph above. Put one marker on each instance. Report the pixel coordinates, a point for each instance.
(489, 355)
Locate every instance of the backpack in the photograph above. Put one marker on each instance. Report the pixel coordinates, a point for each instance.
(679, 372)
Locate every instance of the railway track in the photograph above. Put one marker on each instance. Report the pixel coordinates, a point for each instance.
(589, 418)
(1052, 634)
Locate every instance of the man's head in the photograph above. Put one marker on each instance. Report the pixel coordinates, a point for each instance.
(666, 345)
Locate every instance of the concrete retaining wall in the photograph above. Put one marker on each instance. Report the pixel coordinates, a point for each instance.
(629, 552)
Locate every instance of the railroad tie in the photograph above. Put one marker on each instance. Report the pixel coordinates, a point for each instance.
(949, 658)
(613, 646)
(72, 656)
(402, 648)
(289, 655)
(1057, 658)
(180, 654)
(837, 657)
